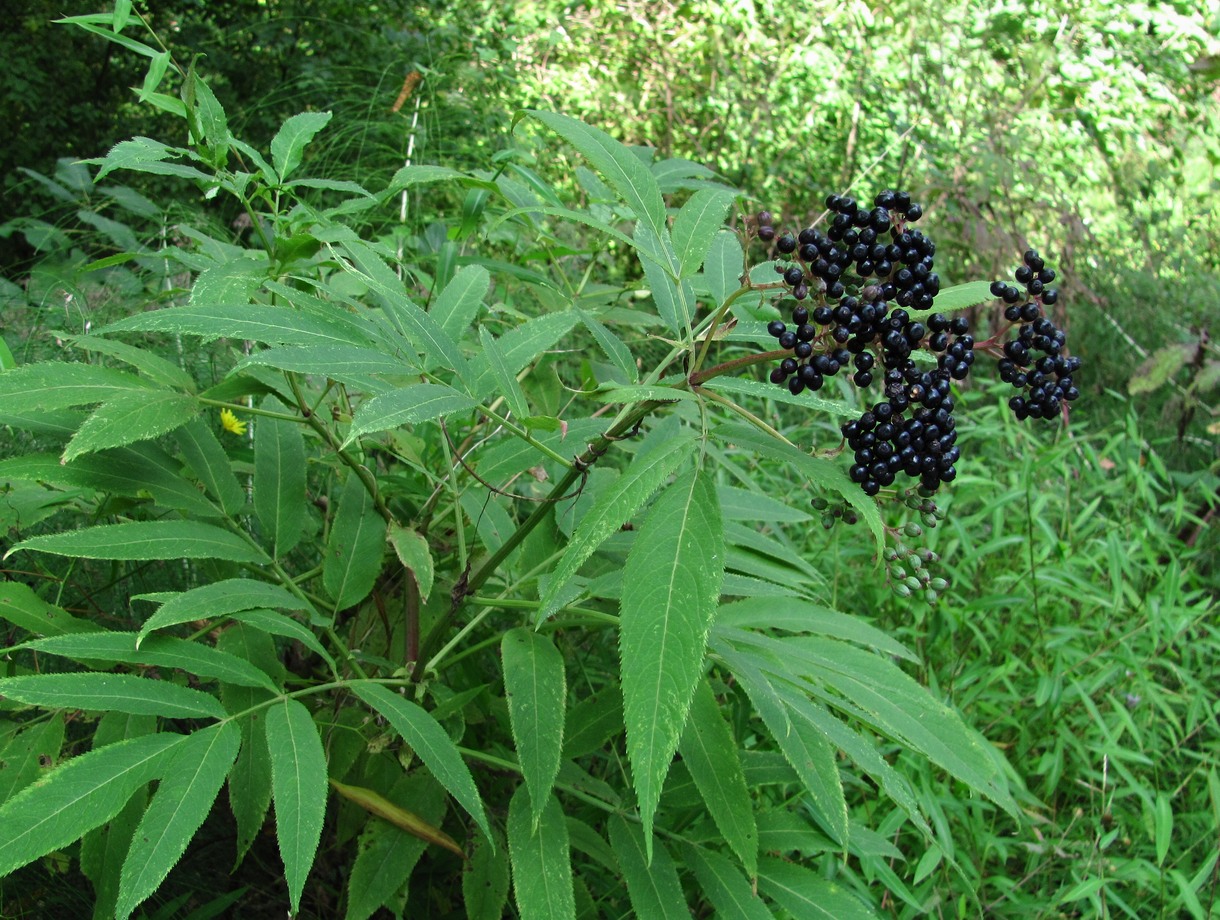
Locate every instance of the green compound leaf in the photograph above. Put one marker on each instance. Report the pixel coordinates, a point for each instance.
(711, 756)
(257, 322)
(696, 226)
(724, 265)
(459, 303)
(652, 879)
(193, 776)
(355, 546)
(118, 692)
(131, 417)
(671, 586)
(288, 145)
(413, 552)
(144, 540)
(59, 385)
(433, 745)
(407, 406)
(23, 608)
(486, 881)
(614, 505)
(723, 884)
(210, 464)
(279, 479)
(623, 170)
(83, 793)
(159, 651)
(220, 598)
(536, 689)
(804, 893)
(299, 788)
(542, 861)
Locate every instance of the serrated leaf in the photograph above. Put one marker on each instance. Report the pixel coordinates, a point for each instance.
(760, 390)
(158, 370)
(430, 741)
(299, 788)
(536, 690)
(389, 849)
(277, 624)
(725, 887)
(542, 863)
(79, 795)
(22, 749)
(613, 346)
(218, 599)
(408, 176)
(212, 120)
(821, 471)
(486, 880)
(796, 615)
(408, 406)
(120, 692)
(354, 548)
(805, 749)
(724, 265)
(711, 756)
(614, 505)
(652, 879)
(671, 585)
(144, 540)
(522, 344)
(675, 300)
(345, 363)
(131, 417)
(250, 778)
(137, 471)
(509, 387)
(23, 608)
(958, 297)
(621, 168)
(210, 464)
(458, 304)
(279, 479)
(260, 323)
(804, 893)
(413, 552)
(696, 226)
(288, 145)
(59, 385)
(158, 651)
(193, 776)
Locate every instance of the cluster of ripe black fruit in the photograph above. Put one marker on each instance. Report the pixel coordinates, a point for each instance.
(1045, 383)
(860, 287)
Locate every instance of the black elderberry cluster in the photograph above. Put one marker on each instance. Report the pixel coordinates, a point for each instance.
(853, 285)
(1034, 362)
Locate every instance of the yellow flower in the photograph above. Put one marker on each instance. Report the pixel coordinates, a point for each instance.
(230, 422)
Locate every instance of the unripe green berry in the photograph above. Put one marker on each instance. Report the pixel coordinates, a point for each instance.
(931, 596)
(890, 554)
(911, 582)
(828, 521)
(912, 529)
(902, 590)
(938, 584)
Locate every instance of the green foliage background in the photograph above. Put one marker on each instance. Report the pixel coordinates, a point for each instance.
(1078, 632)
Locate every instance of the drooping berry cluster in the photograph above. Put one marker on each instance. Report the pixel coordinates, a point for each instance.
(859, 287)
(1034, 362)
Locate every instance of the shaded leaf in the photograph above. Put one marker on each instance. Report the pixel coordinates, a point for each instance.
(710, 754)
(542, 863)
(193, 776)
(210, 464)
(58, 385)
(23, 608)
(23, 748)
(430, 741)
(486, 880)
(652, 879)
(218, 599)
(407, 406)
(413, 552)
(724, 265)
(279, 479)
(613, 506)
(725, 887)
(298, 783)
(355, 546)
(535, 688)
(804, 893)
